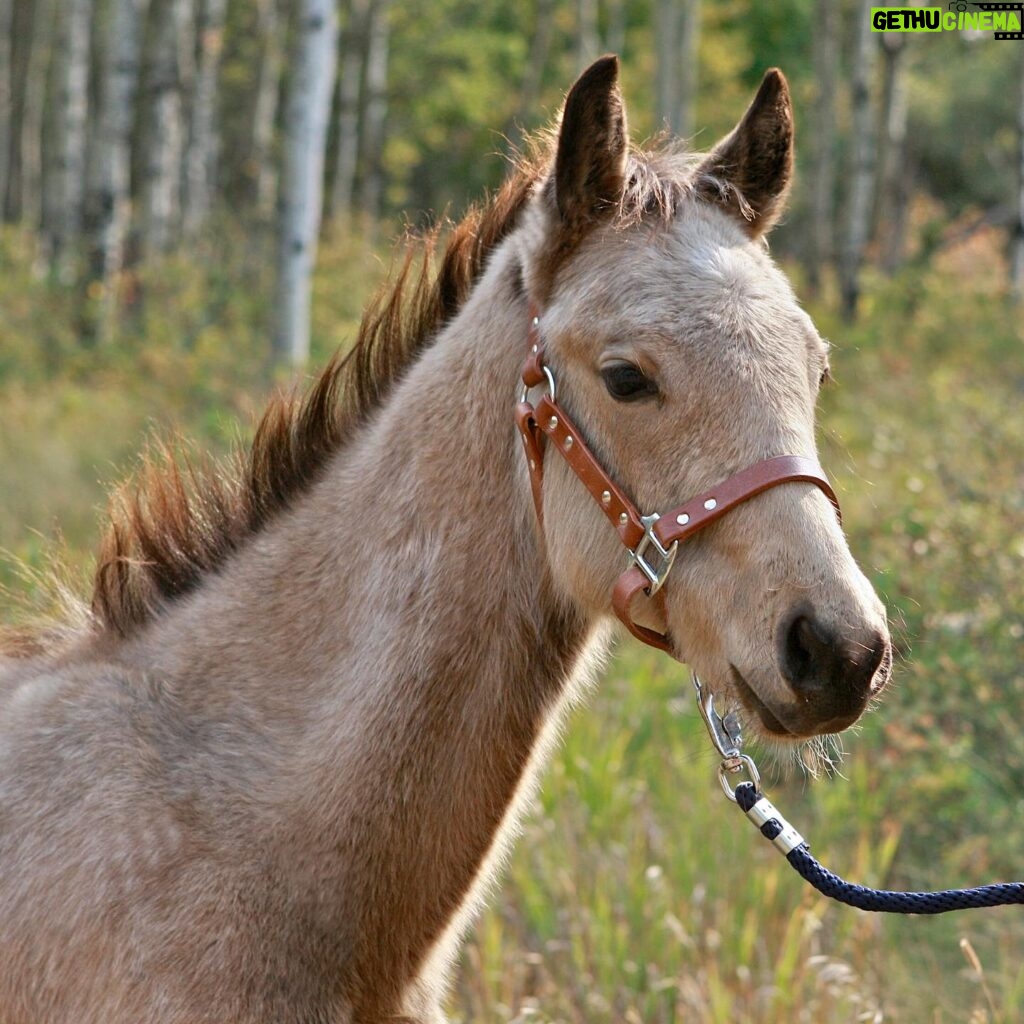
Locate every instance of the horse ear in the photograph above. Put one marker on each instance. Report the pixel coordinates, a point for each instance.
(751, 168)
(590, 165)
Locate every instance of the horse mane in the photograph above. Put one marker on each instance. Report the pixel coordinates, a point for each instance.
(174, 522)
(177, 519)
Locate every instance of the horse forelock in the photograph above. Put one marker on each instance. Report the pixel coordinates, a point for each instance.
(657, 182)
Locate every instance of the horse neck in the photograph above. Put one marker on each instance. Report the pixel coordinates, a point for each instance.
(397, 633)
(451, 544)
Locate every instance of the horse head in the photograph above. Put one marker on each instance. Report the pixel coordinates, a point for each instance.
(683, 356)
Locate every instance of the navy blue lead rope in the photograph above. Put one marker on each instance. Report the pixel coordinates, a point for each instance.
(727, 737)
(775, 828)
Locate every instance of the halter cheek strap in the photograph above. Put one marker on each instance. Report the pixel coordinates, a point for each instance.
(652, 541)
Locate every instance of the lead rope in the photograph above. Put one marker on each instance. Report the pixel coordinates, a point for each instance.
(727, 738)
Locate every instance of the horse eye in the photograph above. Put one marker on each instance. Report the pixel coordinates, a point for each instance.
(627, 383)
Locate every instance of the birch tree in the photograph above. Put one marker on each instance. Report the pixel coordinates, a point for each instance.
(165, 143)
(307, 115)
(588, 40)
(71, 108)
(107, 207)
(24, 188)
(1017, 243)
(201, 152)
(677, 40)
(349, 91)
(861, 171)
(22, 45)
(893, 181)
(268, 87)
(689, 65)
(6, 86)
(616, 26)
(823, 161)
(666, 72)
(376, 109)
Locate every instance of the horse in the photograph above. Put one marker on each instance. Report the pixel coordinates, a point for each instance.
(270, 769)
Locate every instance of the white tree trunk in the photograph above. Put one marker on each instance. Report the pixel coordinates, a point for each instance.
(689, 65)
(823, 165)
(72, 107)
(677, 40)
(6, 90)
(892, 194)
(1017, 245)
(376, 109)
(201, 155)
(107, 207)
(307, 115)
(861, 174)
(588, 40)
(27, 205)
(349, 88)
(21, 42)
(165, 145)
(616, 39)
(666, 69)
(268, 88)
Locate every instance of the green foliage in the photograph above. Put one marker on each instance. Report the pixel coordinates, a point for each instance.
(964, 98)
(189, 357)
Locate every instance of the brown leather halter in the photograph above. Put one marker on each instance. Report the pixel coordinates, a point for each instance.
(652, 540)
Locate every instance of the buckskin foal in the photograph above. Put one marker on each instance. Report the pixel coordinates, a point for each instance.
(271, 769)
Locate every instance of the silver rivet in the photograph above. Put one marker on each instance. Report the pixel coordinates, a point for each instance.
(683, 519)
(568, 442)
(536, 321)
(606, 497)
(533, 349)
(552, 423)
(623, 519)
(710, 504)
(533, 465)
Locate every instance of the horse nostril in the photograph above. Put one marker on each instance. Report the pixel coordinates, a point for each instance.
(837, 672)
(805, 648)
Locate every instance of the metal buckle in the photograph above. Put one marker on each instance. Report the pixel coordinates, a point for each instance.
(551, 386)
(636, 556)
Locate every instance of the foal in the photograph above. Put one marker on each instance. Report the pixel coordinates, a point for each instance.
(270, 776)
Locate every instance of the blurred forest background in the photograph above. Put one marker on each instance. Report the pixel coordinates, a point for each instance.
(174, 172)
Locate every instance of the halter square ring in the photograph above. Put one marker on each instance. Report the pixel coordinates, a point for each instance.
(657, 576)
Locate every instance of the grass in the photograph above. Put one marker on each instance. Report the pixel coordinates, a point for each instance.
(637, 892)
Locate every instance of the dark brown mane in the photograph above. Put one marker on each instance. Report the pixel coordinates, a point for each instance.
(177, 520)
(174, 523)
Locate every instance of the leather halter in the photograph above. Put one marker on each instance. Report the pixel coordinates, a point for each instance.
(652, 540)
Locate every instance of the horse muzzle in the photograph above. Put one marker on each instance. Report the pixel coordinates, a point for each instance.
(829, 677)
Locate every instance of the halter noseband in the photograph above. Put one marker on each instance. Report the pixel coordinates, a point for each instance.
(652, 540)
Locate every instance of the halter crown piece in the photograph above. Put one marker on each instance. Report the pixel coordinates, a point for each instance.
(653, 540)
